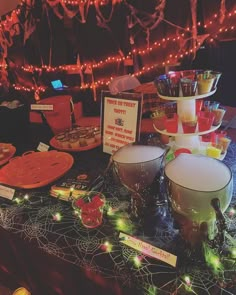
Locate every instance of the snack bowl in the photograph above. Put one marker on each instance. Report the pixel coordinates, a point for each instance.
(89, 207)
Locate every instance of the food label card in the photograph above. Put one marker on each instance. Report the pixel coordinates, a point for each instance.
(41, 107)
(42, 147)
(148, 249)
(6, 192)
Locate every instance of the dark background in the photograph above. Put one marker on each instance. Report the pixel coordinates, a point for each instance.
(58, 42)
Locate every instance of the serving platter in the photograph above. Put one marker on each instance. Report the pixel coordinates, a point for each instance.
(8, 154)
(54, 143)
(35, 169)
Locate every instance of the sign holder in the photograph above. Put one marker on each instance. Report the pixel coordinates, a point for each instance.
(121, 119)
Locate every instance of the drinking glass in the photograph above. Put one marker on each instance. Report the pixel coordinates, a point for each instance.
(205, 120)
(219, 114)
(171, 124)
(199, 105)
(204, 85)
(189, 126)
(188, 86)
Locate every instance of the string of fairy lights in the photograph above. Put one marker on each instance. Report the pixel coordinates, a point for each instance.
(121, 223)
(211, 27)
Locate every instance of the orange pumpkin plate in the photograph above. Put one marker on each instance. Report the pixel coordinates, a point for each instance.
(35, 169)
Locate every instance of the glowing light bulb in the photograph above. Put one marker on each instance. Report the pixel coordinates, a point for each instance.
(187, 280)
(107, 246)
(26, 197)
(137, 261)
(234, 253)
(17, 200)
(57, 217)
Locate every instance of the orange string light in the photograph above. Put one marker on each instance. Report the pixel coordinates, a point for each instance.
(95, 2)
(171, 58)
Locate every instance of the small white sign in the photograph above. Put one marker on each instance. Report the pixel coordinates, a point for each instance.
(41, 107)
(121, 121)
(148, 249)
(42, 147)
(7, 192)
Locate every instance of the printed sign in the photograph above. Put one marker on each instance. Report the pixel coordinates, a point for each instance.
(42, 147)
(121, 120)
(41, 107)
(148, 249)
(7, 192)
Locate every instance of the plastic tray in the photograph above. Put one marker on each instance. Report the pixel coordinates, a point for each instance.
(35, 169)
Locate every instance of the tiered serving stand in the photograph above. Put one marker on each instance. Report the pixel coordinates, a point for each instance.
(187, 105)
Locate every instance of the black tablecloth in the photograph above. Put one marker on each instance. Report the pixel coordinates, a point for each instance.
(51, 257)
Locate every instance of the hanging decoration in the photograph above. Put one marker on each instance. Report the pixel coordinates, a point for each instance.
(73, 11)
(186, 40)
(194, 23)
(146, 21)
(222, 11)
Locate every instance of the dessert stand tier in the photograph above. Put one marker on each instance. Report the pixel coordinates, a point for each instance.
(186, 106)
(181, 134)
(181, 98)
(188, 140)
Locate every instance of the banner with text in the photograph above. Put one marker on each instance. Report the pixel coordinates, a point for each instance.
(121, 120)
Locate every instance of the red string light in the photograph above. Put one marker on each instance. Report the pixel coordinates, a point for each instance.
(171, 58)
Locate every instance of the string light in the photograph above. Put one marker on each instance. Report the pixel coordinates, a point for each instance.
(95, 2)
(107, 246)
(231, 212)
(21, 200)
(212, 260)
(57, 216)
(137, 261)
(234, 253)
(187, 283)
(110, 211)
(26, 197)
(171, 59)
(18, 200)
(187, 280)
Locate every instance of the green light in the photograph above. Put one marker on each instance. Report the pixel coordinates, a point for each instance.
(212, 259)
(215, 261)
(137, 261)
(76, 212)
(124, 225)
(234, 252)
(110, 211)
(187, 280)
(232, 212)
(152, 290)
(120, 224)
(17, 200)
(57, 217)
(108, 246)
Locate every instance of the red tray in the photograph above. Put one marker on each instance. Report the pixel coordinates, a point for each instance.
(53, 143)
(35, 169)
(9, 155)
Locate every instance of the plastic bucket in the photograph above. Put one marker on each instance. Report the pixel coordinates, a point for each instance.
(60, 118)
